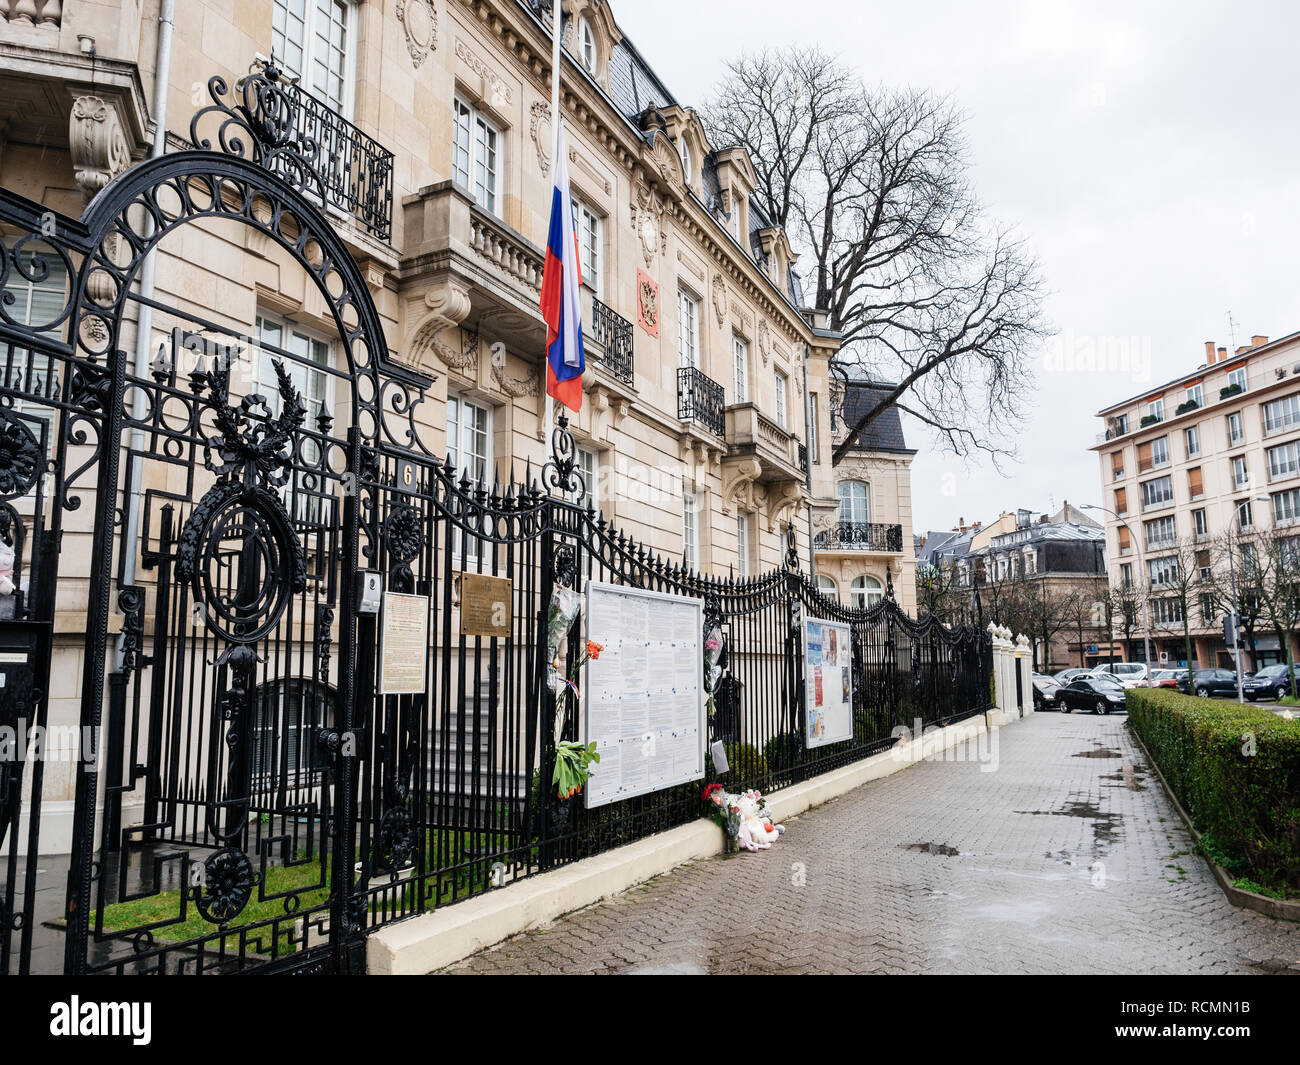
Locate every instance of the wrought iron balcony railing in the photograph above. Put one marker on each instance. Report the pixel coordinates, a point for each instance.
(613, 333)
(803, 458)
(861, 536)
(700, 399)
(352, 170)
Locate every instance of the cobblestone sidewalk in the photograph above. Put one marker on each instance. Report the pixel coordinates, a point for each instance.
(1067, 858)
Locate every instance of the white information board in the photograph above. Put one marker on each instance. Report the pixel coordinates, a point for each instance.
(828, 682)
(644, 695)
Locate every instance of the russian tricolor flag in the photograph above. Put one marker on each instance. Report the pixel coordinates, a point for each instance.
(561, 282)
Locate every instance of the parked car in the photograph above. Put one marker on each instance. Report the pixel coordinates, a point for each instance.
(1101, 695)
(1207, 682)
(1130, 674)
(1045, 691)
(1166, 678)
(1066, 675)
(1271, 682)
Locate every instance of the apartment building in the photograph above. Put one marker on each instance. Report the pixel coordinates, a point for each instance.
(859, 549)
(1213, 453)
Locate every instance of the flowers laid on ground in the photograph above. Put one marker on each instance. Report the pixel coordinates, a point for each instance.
(742, 816)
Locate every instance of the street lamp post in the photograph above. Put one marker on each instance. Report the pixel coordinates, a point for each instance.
(1146, 603)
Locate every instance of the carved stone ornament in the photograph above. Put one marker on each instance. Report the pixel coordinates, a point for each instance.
(514, 387)
(764, 340)
(419, 19)
(647, 221)
(96, 143)
(720, 299)
(539, 115)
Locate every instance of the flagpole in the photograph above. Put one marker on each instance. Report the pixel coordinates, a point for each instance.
(548, 416)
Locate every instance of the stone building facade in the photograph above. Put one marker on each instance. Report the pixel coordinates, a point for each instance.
(705, 431)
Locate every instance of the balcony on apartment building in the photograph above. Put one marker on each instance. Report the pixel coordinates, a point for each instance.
(854, 537)
(607, 339)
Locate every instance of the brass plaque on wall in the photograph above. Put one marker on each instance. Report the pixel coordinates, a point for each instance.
(485, 605)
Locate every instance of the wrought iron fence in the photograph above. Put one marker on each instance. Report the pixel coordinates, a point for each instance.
(263, 796)
(701, 399)
(861, 536)
(613, 333)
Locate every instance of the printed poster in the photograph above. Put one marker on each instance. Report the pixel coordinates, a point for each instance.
(828, 682)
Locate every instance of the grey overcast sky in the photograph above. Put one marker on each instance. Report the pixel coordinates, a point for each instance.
(1147, 150)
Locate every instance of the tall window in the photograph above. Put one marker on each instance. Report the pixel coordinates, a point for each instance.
(743, 567)
(855, 502)
(1192, 441)
(1163, 571)
(1200, 526)
(1286, 507)
(1281, 414)
(688, 329)
(590, 228)
(586, 45)
(1236, 429)
(827, 586)
(740, 357)
(309, 372)
(1283, 461)
(310, 39)
(474, 155)
(814, 444)
(34, 303)
(1162, 532)
(1238, 377)
(782, 397)
(865, 592)
(1240, 475)
(688, 170)
(469, 447)
(690, 531)
(1157, 493)
(589, 467)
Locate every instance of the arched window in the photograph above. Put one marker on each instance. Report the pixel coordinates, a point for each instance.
(687, 171)
(586, 45)
(855, 502)
(827, 586)
(865, 592)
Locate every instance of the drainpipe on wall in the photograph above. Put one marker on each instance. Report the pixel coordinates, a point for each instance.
(808, 415)
(162, 78)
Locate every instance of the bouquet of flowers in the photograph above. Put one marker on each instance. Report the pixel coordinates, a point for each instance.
(573, 760)
(743, 817)
(566, 604)
(713, 647)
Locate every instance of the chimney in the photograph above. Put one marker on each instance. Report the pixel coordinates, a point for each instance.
(1258, 342)
(1223, 354)
(1241, 348)
(1209, 353)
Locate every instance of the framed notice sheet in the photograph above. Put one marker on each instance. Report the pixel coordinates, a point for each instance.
(403, 644)
(828, 682)
(644, 696)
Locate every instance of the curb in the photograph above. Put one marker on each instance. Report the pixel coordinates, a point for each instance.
(1281, 909)
(432, 941)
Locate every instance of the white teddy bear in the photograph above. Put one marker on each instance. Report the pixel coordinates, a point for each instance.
(756, 829)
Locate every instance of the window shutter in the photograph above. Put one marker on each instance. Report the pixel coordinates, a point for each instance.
(1121, 501)
(1117, 462)
(1194, 484)
(1144, 457)
(1123, 538)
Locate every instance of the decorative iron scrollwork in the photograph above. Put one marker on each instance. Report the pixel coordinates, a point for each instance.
(228, 882)
(130, 602)
(791, 548)
(561, 473)
(404, 537)
(20, 457)
(395, 841)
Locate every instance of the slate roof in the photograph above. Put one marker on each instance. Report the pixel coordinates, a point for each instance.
(885, 433)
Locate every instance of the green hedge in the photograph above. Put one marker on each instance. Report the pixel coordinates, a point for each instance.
(1236, 770)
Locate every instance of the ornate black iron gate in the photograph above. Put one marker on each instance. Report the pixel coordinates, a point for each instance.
(186, 541)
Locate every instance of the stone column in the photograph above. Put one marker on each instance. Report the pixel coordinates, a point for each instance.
(1024, 659)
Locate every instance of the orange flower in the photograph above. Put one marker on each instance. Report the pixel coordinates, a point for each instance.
(594, 649)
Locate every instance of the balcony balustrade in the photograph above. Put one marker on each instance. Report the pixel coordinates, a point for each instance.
(872, 536)
(700, 399)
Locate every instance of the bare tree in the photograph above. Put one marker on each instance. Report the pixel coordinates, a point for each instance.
(1180, 582)
(1272, 560)
(1126, 605)
(938, 591)
(871, 185)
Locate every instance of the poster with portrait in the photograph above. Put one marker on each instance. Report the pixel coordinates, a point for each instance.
(828, 682)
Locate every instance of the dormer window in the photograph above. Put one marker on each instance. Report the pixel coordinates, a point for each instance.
(586, 46)
(688, 173)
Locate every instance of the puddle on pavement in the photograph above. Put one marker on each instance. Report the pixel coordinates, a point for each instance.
(1127, 777)
(1100, 752)
(933, 848)
(1105, 826)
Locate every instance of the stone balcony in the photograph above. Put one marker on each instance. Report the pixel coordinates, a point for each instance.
(751, 434)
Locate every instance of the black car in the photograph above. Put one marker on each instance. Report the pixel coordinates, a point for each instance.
(1046, 690)
(1091, 693)
(1271, 682)
(1207, 682)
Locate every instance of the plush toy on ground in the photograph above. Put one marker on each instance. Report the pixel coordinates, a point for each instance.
(743, 817)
